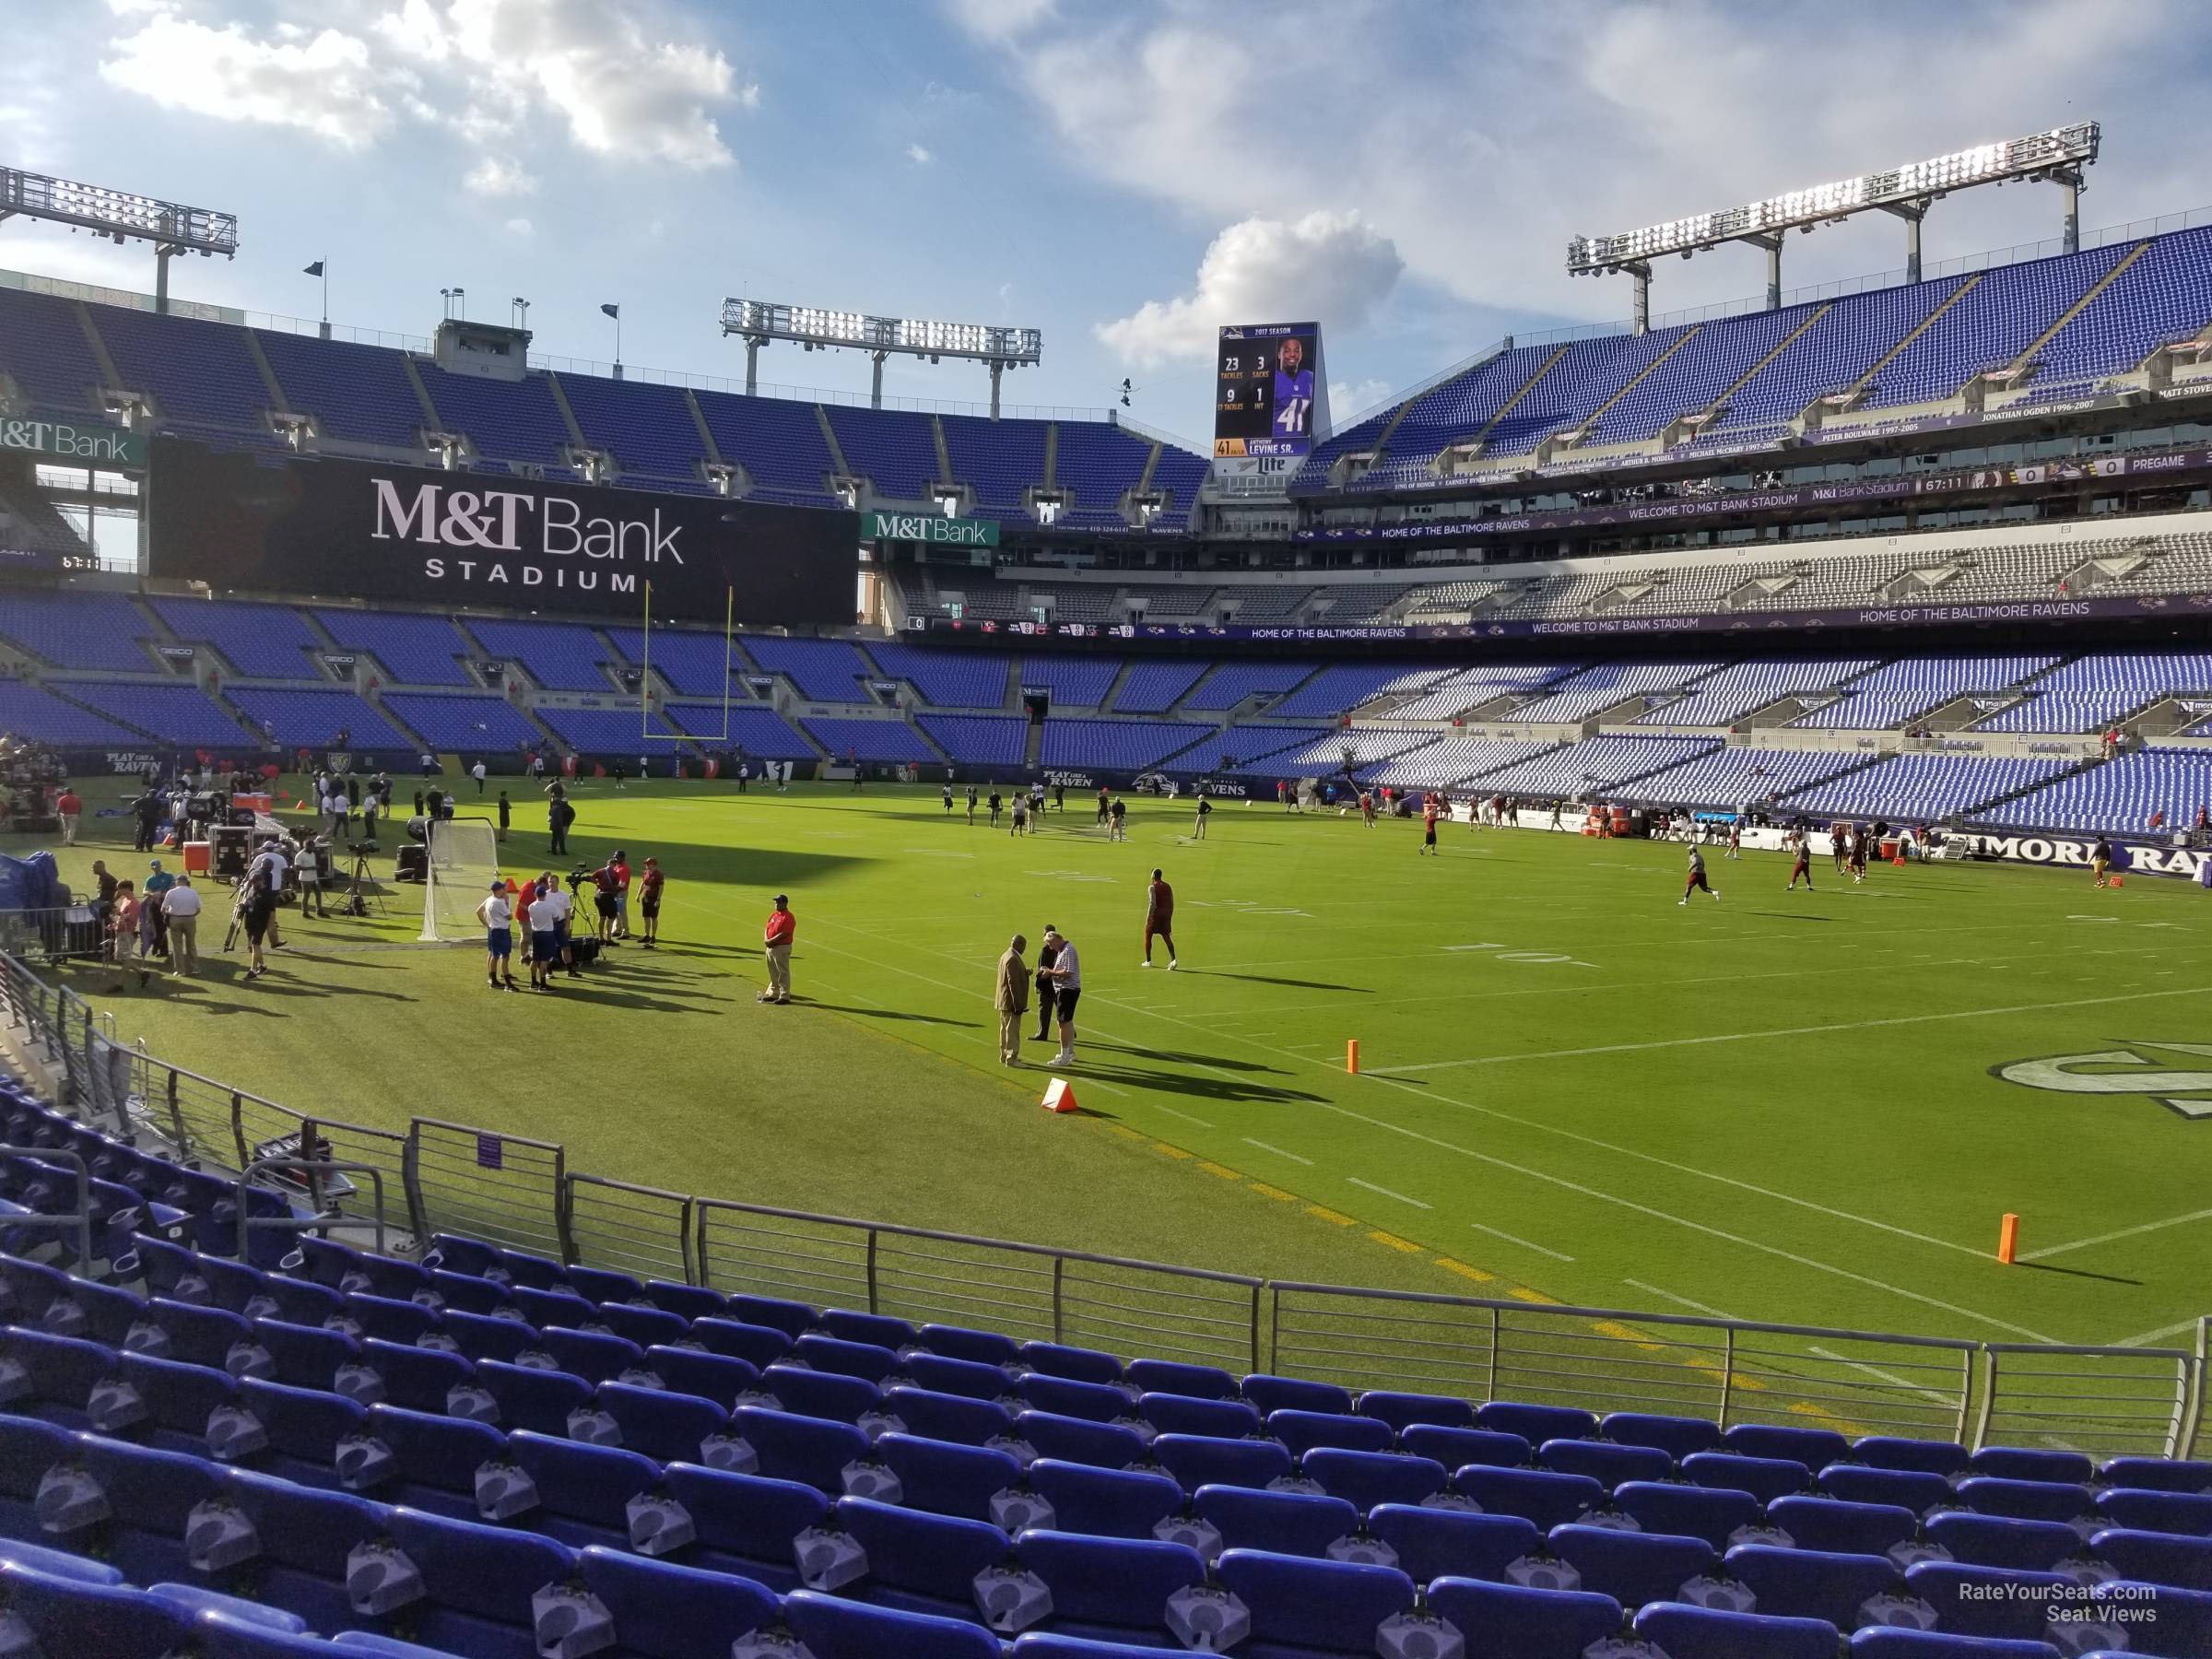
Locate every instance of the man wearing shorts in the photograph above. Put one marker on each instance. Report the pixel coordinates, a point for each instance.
(649, 902)
(622, 869)
(1803, 863)
(1160, 918)
(1697, 882)
(1206, 810)
(1429, 824)
(1117, 825)
(1067, 975)
(498, 915)
(545, 932)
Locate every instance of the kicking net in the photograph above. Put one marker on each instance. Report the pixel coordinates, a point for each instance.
(464, 858)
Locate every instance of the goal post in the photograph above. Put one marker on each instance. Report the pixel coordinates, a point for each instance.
(729, 661)
(463, 862)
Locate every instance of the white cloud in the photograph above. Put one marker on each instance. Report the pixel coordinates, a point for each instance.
(919, 155)
(1479, 144)
(604, 72)
(518, 226)
(1329, 266)
(1348, 398)
(324, 84)
(499, 176)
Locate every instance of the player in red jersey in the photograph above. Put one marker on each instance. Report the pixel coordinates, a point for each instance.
(1697, 882)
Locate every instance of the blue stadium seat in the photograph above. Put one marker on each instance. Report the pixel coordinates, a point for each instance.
(582, 1492)
(383, 1317)
(1197, 1460)
(342, 1268)
(2155, 1558)
(1536, 1495)
(196, 1335)
(478, 1583)
(1604, 1462)
(1986, 1601)
(1076, 1440)
(1698, 1512)
(2180, 1621)
(1632, 1568)
(1681, 1632)
(947, 1417)
(975, 1379)
(716, 1377)
(2026, 1499)
(1080, 1364)
(470, 1294)
(28, 1449)
(2157, 1474)
(758, 1346)
(2143, 1509)
(130, 1505)
(1849, 1529)
(420, 1379)
(794, 1319)
(803, 1449)
(1815, 1448)
(835, 1629)
(1109, 1588)
(2004, 1541)
(1444, 1543)
(1812, 1583)
(865, 1361)
(687, 1301)
(304, 1428)
(664, 1611)
(1455, 1448)
(1297, 1523)
(420, 1459)
(1536, 1424)
(1895, 1642)
(1510, 1621)
(2034, 1463)
(1890, 1452)
(1766, 1478)
(166, 1404)
(524, 1396)
(1299, 1606)
(960, 1342)
(479, 1337)
(1117, 1504)
(1096, 1402)
(1177, 1377)
(1399, 1409)
(557, 1308)
(70, 1614)
(878, 1330)
(1366, 1478)
(1678, 1437)
(1272, 1395)
(300, 1356)
(1915, 1490)
(916, 1562)
(57, 1562)
(947, 1477)
(657, 1423)
(743, 1524)
(304, 1541)
(1303, 1431)
(819, 1394)
(1189, 1413)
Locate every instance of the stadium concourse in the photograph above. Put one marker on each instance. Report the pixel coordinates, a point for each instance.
(541, 1330)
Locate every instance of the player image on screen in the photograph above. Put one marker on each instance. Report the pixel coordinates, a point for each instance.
(1293, 390)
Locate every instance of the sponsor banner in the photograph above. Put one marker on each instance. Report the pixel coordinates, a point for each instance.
(179, 654)
(444, 538)
(128, 762)
(1070, 780)
(343, 661)
(1728, 622)
(2137, 857)
(1736, 502)
(1254, 475)
(28, 559)
(934, 528)
(79, 442)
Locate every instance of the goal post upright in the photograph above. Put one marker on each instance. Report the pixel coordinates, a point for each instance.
(729, 658)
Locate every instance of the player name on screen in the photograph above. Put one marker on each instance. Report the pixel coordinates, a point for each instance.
(1265, 390)
(408, 533)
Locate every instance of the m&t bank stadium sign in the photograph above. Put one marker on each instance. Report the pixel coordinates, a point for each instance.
(86, 444)
(933, 528)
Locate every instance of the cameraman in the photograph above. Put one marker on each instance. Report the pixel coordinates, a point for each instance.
(605, 885)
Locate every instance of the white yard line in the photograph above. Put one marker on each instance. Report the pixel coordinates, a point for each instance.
(1386, 1193)
(1817, 1031)
(1876, 1372)
(1185, 1116)
(1683, 1301)
(1499, 1232)
(1264, 1147)
(2126, 1232)
(2149, 1338)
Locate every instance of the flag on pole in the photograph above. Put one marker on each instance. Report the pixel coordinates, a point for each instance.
(314, 270)
(613, 310)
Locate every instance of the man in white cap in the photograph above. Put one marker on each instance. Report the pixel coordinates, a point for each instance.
(1067, 974)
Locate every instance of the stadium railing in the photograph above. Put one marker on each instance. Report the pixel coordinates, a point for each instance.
(517, 1191)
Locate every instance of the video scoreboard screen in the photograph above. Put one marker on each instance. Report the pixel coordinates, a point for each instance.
(1268, 395)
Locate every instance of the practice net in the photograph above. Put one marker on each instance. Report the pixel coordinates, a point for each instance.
(464, 860)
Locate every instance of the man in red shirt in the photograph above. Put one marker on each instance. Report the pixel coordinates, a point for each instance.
(1160, 918)
(71, 805)
(621, 866)
(776, 941)
(1427, 824)
(649, 902)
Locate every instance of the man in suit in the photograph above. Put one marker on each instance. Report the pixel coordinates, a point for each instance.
(1012, 1001)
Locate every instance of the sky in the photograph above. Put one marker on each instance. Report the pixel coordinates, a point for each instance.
(1126, 175)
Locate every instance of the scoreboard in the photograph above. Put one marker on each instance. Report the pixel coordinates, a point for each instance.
(1269, 396)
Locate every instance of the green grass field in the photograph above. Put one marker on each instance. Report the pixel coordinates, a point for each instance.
(1780, 1106)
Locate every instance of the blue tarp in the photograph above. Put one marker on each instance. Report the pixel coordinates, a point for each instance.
(30, 882)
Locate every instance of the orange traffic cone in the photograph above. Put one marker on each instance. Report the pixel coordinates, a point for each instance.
(1059, 1096)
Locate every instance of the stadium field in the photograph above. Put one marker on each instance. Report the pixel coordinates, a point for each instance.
(1779, 1106)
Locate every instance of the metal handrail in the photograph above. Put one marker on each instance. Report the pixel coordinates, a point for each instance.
(80, 1217)
(317, 1166)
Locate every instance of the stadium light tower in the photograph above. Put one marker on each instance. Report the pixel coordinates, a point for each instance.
(758, 322)
(172, 227)
(2057, 157)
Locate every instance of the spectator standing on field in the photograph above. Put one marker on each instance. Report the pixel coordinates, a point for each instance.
(477, 771)
(497, 913)
(1160, 918)
(124, 931)
(158, 883)
(1012, 1001)
(71, 806)
(506, 812)
(1206, 810)
(649, 883)
(181, 911)
(1048, 988)
(775, 940)
(1067, 974)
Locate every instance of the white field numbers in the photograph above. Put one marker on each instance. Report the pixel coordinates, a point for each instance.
(464, 858)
